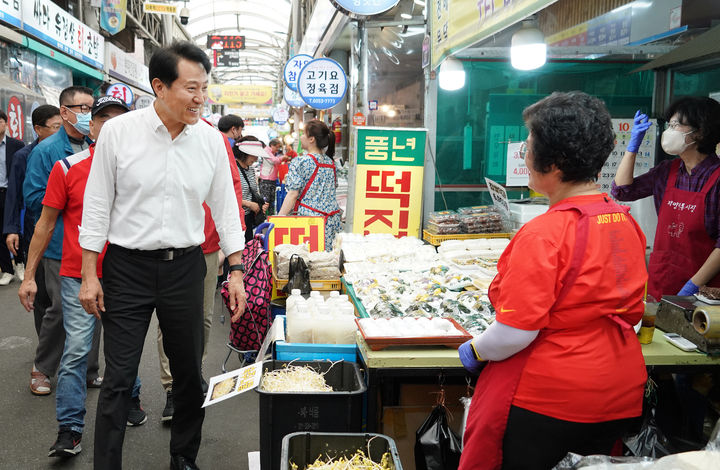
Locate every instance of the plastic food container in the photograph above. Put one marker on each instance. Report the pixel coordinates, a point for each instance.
(443, 228)
(444, 217)
(302, 448)
(283, 413)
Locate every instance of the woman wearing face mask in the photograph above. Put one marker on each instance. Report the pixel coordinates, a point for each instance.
(686, 254)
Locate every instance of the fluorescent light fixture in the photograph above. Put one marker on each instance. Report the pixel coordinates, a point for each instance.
(419, 2)
(452, 74)
(384, 108)
(391, 113)
(406, 16)
(528, 50)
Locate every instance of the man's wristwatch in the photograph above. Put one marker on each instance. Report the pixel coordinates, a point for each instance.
(236, 267)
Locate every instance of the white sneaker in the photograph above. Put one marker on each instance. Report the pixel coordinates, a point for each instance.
(20, 271)
(6, 279)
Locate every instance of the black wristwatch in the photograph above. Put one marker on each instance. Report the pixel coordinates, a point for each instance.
(236, 267)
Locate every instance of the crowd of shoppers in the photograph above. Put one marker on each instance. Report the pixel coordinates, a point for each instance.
(134, 220)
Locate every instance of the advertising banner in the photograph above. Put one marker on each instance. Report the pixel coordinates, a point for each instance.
(322, 83)
(112, 15)
(48, 22)
(235, 94)
(10, 12)
(457, 24)
(127, 68)
(389, 180)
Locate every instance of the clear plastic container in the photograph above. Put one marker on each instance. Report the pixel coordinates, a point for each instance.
(443, 217)
(443, 228)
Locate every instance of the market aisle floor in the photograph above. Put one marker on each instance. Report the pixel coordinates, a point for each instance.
(28, 427)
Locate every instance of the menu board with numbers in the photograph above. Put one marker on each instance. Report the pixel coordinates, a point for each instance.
(644, 160)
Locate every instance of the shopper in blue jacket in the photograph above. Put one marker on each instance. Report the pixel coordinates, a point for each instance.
(75, 105)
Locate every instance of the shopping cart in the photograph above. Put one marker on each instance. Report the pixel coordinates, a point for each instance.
(248, 333)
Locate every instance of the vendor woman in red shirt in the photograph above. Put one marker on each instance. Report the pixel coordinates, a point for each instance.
(563, 370)
(686, 254)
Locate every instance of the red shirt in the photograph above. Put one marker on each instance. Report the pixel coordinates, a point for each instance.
(582, 367)
(284, 167)
(212, 239)
(65, 191)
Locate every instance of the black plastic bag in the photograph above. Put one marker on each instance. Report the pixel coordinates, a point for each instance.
(649, 440)
(299, 277)
(437, 447)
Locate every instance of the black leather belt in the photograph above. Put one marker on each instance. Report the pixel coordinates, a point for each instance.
(163, 254)
(3, 190)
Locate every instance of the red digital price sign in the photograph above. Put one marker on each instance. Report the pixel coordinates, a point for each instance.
(220, 41)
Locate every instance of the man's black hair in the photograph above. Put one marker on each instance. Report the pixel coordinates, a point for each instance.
(42, 113)
(67, 95)
(164, 62)
(229, 121)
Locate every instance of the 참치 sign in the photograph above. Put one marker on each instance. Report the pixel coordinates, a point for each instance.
(389, 180)
(292, 69)
(322, 83)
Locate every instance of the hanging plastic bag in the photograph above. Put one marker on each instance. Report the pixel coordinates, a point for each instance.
(649, 441)
(299, 276)
(437, 447)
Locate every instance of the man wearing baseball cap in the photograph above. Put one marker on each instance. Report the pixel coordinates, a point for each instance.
(64, 195)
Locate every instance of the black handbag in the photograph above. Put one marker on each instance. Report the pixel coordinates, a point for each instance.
(256, 198)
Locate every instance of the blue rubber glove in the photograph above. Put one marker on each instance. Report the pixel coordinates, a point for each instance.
(641, 123)
(688, 289)
(467, 357)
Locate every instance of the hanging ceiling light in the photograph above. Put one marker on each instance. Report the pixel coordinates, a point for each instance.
(452, 74)
(528, 50)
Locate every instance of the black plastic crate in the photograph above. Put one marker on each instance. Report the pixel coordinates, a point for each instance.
(285, 413)
(302, 448)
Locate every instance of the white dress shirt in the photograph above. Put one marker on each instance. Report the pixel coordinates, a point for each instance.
(145, 190)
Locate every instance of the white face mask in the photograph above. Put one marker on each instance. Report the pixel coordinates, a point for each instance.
(673, 141)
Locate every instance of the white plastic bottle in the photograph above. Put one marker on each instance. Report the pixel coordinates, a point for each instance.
(324, 326)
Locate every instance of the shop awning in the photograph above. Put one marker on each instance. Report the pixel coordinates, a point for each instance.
(703, 46)
(64, 59)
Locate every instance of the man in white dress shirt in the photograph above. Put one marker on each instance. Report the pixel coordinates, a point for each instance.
(152, 170)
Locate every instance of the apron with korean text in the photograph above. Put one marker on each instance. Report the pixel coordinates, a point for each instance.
(682, 244)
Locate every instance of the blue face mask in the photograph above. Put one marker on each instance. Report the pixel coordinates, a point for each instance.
(83, 122)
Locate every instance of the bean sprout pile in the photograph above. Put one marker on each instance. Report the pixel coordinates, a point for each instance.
(294, 379)
(357, 462)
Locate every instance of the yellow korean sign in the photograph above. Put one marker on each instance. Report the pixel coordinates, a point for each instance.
(295, 230)
(238, 94)
(160, 8)
(457, 24)
(389, 181)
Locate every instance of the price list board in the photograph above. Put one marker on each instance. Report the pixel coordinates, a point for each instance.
(644, 160)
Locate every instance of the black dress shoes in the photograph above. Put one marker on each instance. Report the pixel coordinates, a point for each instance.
(178, 462)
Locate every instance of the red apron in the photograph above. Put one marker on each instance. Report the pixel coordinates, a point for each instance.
(299, 203)
(682, 244)
(496, 386)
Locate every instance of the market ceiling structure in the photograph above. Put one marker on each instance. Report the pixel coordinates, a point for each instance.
(264, 23)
